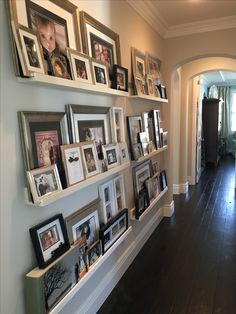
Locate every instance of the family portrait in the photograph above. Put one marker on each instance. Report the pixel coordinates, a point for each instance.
(86, 232)
(45, 183)
(47, 144)
(90, 161)
(49, 237)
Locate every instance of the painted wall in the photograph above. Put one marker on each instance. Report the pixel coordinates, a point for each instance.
(16, 255)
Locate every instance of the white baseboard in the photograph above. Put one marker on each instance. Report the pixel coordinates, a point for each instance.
(180, 188)
(168, 209)
(110, 280)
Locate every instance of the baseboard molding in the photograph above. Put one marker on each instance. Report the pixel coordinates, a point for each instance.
(168, 209)
(110, 280)
(180, 188)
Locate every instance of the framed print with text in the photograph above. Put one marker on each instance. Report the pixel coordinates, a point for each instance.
(73, 164)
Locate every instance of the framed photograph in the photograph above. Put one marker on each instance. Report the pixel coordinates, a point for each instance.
(155, 167)
(163, 180)
(144, 142)
(90, 123)
(80, 66)
(155, 116)
(90, 158)
(123, 153)
(120, 78)
(141, 202)
(140, 174)
(73, 164)
(83, 225)
(162, 90)
(135, 126)
(99, 41)
(103, 165)
(93, 253)
(150, 85)
(50, 240)
(100, 73)
(137, 151)
(111, 154)
(42, 133)
(119, 193)
(29, 50)
(138, 63)
(153, 186)
(153, 66)
(57, 22)
(141, 86)
(108, 205)
(82, 263)
(43, 182)
(117, 124)
(111, 232)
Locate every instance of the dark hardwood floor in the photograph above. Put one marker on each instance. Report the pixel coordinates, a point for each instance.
(188, 265)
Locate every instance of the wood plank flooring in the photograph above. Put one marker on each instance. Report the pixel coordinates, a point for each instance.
(188, 266)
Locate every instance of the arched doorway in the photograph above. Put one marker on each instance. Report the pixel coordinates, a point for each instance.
(184, 124)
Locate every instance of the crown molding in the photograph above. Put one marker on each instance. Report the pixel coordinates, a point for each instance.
(148, 11)
(201, 27)
(150, 14)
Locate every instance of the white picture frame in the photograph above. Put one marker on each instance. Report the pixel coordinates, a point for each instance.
(107, 198)
(43, 182)
(119, 189)
(73, 163)
(117, 124)
(111, 154)
(123, 153)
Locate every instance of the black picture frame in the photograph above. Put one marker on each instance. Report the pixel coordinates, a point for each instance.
(141, 203)
(162, 90)
(155, 116)
(120, 78)
(141, 172)
(163, 180)
(113, 230)
(50, 240)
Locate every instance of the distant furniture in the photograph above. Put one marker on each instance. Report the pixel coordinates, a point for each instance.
(211, 122)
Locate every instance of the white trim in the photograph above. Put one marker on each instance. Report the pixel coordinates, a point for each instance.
(102, 291)
(201, 26)
(181, 188)
(168, 209)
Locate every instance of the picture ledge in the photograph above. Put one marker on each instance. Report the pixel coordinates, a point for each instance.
(76, 187)
(150, 155)
(153, 98)
(43, 79)
(153, 203)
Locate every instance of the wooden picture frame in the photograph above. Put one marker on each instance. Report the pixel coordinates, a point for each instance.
(90, 158)
(99, 41)
(80, 66)
(123, 153)
(141, 86)
(29, 50)
(138, 63)
(107, 201)
(113, 230)
(62, 18)
(50, 240)
(153, 66)
(117, 124)
(120, 78)
(83, 225)
(100, 73)
(150, 85)
(72, 163)
(43, 182)
(93, 254)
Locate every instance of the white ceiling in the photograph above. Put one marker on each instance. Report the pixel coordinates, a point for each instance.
(172, 18)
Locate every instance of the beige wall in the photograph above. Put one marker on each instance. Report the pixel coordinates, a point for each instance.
(17, 255)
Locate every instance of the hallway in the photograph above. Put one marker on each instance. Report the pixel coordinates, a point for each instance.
(188, 266)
